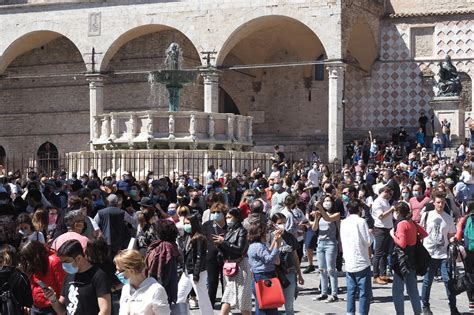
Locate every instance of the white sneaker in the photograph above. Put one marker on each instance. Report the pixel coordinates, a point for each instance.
(331, 299)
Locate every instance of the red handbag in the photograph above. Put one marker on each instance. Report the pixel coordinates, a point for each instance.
(269, 293)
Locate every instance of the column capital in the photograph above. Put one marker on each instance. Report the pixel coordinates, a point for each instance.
(336, 69)
(95, 79)
(210, 74)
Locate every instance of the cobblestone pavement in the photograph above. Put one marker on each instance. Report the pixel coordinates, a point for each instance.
(382, 304)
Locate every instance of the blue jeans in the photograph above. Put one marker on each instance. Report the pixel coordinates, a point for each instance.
(428, 280)
(437, 149)
(257, 277)
(326, 254)
(361, 282)
(410, 282)
(289, 293)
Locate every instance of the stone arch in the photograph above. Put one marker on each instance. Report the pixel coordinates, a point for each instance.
(132, 34)
(362, 48)
(255, 24)
(29, 42)
(47, 158)
(272, 88)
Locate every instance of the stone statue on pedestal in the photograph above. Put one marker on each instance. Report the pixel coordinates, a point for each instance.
(449, 83)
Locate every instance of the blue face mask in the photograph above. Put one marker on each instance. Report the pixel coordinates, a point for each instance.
(187, 228)
(345, 198)
(121, 277)
(218, 190)
(171, 212)
(216, 216)
(70, 269)
(230, 223)
(276, 187)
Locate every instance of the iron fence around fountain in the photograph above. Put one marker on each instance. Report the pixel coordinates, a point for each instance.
(140, 165)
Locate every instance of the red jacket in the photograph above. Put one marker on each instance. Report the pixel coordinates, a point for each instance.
(54, 278)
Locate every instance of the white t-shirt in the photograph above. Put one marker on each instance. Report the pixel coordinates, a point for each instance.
(438, 227)
(313, 176)
(149, 299)
(380, 206)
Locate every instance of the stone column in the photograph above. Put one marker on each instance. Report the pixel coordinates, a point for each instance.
(96, 101)
(211, 90)
(335, 122)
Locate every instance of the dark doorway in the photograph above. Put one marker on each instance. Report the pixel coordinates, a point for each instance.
(47, 158)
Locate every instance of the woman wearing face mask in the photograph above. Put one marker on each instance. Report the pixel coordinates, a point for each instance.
(75, 225)
(216, 225)
(247, 199)
(406, 195)
(327, 249)
(289, 267)
(418, 202)
(27, 230)
(237, 293)
(405, 235)
(194, 270)
(41, 265)
(86, 288)
(172, 212)
(146, 228)
(52, 219)
(140, 295)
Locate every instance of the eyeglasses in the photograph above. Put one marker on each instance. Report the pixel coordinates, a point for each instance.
(215, 212)
(345, 193)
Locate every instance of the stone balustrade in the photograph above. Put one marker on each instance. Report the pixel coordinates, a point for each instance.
(172, 130)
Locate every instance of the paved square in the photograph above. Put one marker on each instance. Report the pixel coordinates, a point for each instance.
(383, 303)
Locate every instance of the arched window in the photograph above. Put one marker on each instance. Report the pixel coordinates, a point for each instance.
(48, 158)
(3, 156)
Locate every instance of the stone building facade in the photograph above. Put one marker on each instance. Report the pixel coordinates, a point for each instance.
(313, 74)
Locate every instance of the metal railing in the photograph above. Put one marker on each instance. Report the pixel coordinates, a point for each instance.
(109, 163)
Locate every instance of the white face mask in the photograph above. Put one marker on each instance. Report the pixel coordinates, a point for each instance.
(327, 205)
(281, 226)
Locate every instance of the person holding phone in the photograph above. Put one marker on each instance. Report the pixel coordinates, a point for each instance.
(327, 219)
(45, 270)
(86, 288)
(233, 246)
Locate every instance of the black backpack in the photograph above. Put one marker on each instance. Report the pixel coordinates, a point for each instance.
(9, 305)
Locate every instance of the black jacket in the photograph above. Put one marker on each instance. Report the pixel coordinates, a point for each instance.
(19, 285)
(195, 256)
(235, 243)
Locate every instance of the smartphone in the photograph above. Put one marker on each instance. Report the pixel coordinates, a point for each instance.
(42, 284)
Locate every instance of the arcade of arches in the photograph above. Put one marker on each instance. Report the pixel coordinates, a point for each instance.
(53, 83)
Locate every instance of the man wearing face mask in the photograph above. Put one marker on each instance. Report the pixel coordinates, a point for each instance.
(86, 288)
(215, 262)
(194, 204)
(390, 181)
(383, 218)
(279, 196)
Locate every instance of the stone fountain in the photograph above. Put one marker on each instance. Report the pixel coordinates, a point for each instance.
(173, 77)
(172, 129)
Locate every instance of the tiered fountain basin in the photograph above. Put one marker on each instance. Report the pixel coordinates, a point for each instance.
(172, 130)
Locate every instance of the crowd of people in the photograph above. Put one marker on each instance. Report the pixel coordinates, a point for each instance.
(110, 245)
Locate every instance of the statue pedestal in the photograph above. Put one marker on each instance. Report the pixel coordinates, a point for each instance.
(449, 107)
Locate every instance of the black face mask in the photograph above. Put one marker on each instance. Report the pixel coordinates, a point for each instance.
(195, 199)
